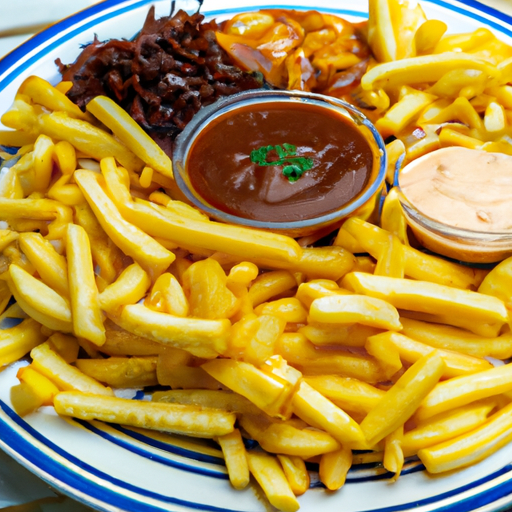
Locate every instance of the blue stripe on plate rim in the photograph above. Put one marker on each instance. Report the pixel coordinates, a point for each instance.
(18, 442)
(96, 488)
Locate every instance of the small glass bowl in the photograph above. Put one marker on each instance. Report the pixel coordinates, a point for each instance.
(456, 243)
(363, 205)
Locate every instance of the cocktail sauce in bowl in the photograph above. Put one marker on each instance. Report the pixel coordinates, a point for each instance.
(287, 161)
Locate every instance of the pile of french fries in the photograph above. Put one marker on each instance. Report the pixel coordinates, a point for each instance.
(316, 353)
(432, 90)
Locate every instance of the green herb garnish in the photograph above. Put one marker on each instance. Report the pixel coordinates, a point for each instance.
(295, 166)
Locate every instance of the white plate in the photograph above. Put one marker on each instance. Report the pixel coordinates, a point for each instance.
(116, 469)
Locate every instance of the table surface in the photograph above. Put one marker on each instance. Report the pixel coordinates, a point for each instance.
(20, 490)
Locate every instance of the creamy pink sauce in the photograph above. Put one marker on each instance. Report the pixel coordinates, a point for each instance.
(463, 188)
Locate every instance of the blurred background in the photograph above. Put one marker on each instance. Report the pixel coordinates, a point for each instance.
(20, 491)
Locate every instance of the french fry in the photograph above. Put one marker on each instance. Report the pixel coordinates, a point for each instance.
(261, 345)
(316, 289)
(268, 392)
(303, 355)
(386, 353)
(296, 473)
(391, 261)
(216, 399)
(349, 309)
(288, 309)
(334, 467)
(235, 456)
(123, 343)
(40, 301)
(179, 419)
(161, 222)
(402, 400)
(270, 284)
(267, 471)
(430, 298)
(392, 217)
(453, 338)
(393, 453)
(347, 393)
(62, 374)
(283, 438)
(471, 447)
(316, 410)
(51, 266)
(498, 282)
(425, 68)
(88, 139)
(18, 341)
(418, 265)
(446, 426)
(66, 346)
(43, 387)
(129, 288)
(204, 282)
(85, 306)
(130, 133)
(202, 338)
(132, 241)
(459, 391)
(121, 372)
(24, 399)
(167, 296)
(354, 335)
(411, 350)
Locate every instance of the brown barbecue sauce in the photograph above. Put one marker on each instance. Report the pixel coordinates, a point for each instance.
(221, 171)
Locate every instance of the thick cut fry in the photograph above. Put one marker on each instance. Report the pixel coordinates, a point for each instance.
(316, 289)
(288, 309)
(386, 353)
(50, 265)
(303, 355)
(122, 343)
(162, 222)
(286, 439)
(334, 467)
(391, 261)
(272, 480)
(131, 240)
(167, 296)
(202, 338)
(472, 447)
(349, 309)
(418, 265)
(269, 285)
(235, 457)
(88, 139)
(130, 133)
(452, 338)
(216, 399)
(392, 218)
(270, 393)
(348, 394)
(24, 399)
(333, 334)
(18, 341)
(66, 346)
(459, 391)
(65, 376)
(446, 426)
(410, 351)
(261, 346)
(400, 402)
(426, 68)
(296, 473)
(85, 306)
(121, 372)
(430, 298)
(428, 35)
(316, 410)
(129, 288)
(40, 301)
(204, 282)
(43, 387)
(498, 282)
(180, 419)
(42, 92)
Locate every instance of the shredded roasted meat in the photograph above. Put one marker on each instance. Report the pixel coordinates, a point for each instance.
(162, 77)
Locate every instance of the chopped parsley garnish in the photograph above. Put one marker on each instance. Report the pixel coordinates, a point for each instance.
(294, 166)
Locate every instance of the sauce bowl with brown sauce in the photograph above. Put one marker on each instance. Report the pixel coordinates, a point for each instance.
(289, 161)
